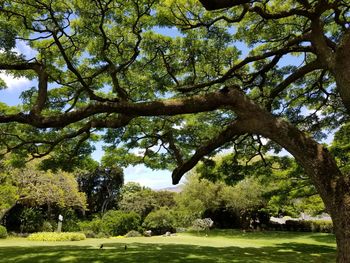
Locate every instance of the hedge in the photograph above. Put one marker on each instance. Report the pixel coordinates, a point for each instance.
(54, 236)
(325, 226)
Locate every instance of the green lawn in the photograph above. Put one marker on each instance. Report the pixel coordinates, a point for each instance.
(220, 246)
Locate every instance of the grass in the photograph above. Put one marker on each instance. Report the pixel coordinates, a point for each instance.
(220, 246)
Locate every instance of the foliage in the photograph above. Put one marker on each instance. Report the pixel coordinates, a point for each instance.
(116, 223)
(91, 228)
(201, 197)
(196, 197)
(31, 220)
(46, 227)
(3, 232)
(102, 188)
(278, 183)
(144, 200)
(341, 147)
(133, 233)
(34, 187)
(53, 236)
(70, 220)
(160, 221)
(8, 194)
(325, 226)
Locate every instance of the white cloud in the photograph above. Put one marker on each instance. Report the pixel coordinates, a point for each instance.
(18, 84)
(23, 48)
(147, 177)
(21, 83)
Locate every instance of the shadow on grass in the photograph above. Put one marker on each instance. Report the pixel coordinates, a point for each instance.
(324, 238)
(268, 235)
(159, 253)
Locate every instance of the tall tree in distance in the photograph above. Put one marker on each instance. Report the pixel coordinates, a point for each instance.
(102, 187)
(242, 71)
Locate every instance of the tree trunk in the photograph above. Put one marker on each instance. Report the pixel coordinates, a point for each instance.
(318, 163)
(331, 184)
(342, 236)
(340, 213)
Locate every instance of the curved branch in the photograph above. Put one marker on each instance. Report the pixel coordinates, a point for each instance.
(238, 127)
(301, 72)
(220, 4)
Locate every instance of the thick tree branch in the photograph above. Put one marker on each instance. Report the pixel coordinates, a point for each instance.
(320, 43)
(236, 128)
(42, 92)
(220, 4)
(342, 69)
(169, 107)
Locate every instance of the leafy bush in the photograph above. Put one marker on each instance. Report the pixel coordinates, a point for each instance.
(31, 219)
(91, 228)
(133, 233)
(116, 223)
(102, 235)
(54, 236)
(70, 221)
(3, 232)
(325, 226)
(46, 227)
(160, 221)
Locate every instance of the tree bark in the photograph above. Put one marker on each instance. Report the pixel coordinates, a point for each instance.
(341, 224)
(341, 70)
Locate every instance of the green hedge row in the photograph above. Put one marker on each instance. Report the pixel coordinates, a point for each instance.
(54, 236)
(325, 226)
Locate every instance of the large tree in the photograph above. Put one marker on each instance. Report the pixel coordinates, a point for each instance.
(244, 70)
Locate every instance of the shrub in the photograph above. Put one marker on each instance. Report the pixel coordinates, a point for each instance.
(116, 223)
(202, 224)
(31, 219)
(133, 233)
(54, 236)
(46, 227)
(310, 226)
(70, 222)
(3, 232)
(102, 235)
(91, 228)
(160, 221)
(325, 226)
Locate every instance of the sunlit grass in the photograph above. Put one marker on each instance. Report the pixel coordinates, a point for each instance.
(219, 246)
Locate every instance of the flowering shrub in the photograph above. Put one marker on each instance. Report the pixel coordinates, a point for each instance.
(202, 224)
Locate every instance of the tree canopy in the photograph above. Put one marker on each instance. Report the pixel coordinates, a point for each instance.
(244, 70)
(32, 187)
